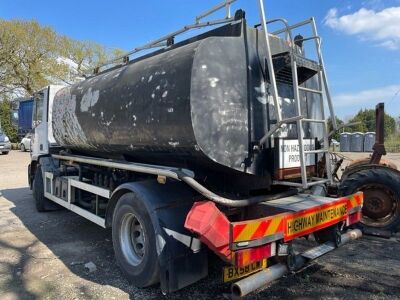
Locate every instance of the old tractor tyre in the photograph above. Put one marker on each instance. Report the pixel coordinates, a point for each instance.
(381, 188)
(134, 241)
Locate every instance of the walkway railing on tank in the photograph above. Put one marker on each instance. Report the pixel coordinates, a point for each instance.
(168, 40)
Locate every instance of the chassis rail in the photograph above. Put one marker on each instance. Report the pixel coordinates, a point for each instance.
(163, 172)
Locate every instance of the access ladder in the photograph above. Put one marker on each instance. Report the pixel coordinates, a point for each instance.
(297, 69)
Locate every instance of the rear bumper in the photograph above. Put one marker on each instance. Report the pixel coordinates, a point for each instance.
(5, 147)
(264, 277)
(282, 220)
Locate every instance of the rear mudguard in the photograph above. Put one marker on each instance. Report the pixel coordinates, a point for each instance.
(360, 165)
(182, 258)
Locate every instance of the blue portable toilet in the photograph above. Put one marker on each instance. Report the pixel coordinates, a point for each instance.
(345, 142)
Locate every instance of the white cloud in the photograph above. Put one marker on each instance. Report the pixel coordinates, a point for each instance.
(367, 98)
(381, 27)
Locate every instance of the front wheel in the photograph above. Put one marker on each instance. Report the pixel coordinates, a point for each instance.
(381, 188)
(134, 241)
(42, 203)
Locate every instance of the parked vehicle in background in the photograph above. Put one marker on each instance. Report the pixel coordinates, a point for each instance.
(25, 144)
(5, 145)
(22, 116)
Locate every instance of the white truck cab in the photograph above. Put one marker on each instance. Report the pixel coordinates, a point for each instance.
(43, 138)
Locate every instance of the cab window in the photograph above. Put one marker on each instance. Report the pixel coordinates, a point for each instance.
(37, 109)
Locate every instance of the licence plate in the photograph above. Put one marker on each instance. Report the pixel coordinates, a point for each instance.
(233, 273)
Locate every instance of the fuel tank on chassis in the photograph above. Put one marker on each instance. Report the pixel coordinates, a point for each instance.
(200, 103)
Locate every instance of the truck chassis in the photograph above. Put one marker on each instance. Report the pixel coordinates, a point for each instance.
(247, 239)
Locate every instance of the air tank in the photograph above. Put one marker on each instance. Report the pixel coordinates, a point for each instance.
(357, 142)
(345, 141)
(200, 104)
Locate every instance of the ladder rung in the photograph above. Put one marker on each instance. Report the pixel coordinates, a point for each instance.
(314, 121)
(322, 181)
(297, 184)
(310, 90)
(316, 151)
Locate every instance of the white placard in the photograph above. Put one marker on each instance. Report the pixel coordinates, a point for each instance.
(289, 154)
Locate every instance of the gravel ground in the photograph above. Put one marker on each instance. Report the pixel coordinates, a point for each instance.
(42, 256)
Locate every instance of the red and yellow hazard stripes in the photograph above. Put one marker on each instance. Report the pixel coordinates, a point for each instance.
(257, 229)
(354, 206)
(310, 220)
(300, 223)
(355, 200)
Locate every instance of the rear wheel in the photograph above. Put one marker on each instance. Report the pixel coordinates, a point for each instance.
(134, 241)
(5, 153)
(381, 188)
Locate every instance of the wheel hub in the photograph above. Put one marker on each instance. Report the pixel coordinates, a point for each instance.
(132, 239)
(379, 205)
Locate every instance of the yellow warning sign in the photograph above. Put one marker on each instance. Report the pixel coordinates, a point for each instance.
(314, 220)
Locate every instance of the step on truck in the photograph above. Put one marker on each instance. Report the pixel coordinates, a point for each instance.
(214, 143)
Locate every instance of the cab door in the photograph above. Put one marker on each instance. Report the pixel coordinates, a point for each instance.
(39, 124)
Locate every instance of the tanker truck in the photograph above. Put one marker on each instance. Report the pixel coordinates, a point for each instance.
(216, 143)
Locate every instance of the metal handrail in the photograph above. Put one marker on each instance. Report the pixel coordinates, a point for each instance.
(284, 21)
(294, 26)
(163, 41)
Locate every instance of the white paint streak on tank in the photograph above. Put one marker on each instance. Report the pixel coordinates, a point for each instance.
(89, 99)
(67, 133)
(261, 90)
(165, 94)
(173, 144)
(213, 81)
(150, 78)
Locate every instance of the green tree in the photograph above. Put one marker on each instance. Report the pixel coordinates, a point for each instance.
(5, 120)
(85, 56)
(28, 54)
(339, 122)
(366, 117)
(33, 56)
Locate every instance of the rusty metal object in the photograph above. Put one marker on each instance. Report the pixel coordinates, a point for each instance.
(379, 147)
(380, 205)
(367, 161)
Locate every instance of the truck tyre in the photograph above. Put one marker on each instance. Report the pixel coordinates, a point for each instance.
(381, 207)
(23, 148)
(5, 153)
(134, 241)
(42, 203)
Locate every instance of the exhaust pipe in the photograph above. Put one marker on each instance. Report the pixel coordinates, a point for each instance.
(266, 276)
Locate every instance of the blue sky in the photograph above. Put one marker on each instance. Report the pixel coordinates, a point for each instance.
(361, 39)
